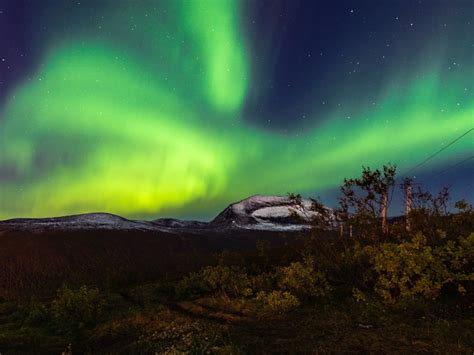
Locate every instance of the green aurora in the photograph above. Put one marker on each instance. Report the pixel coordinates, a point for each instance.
(161, 129)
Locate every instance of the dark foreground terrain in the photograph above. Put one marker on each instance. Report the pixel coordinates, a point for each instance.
(248, 282)
(127, 292)
(141, 320)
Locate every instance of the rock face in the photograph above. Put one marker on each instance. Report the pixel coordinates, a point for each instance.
(266, 212)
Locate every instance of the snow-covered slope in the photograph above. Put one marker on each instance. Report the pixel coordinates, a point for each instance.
(266, 212)
(82, 221)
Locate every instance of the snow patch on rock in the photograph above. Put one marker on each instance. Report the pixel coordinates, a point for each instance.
(283, 212)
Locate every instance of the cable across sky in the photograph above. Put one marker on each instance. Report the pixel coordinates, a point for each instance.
(438, 152)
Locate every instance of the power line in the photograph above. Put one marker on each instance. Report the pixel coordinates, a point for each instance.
(431, 157)
(439, 151)
(453, 166)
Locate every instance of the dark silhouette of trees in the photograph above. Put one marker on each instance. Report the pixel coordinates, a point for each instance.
(364, 201)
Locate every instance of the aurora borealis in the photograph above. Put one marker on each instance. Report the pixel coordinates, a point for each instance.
(179, 107)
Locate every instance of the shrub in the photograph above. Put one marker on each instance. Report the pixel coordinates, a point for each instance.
(265, 281)
(358, 295)
(35, 312)
(360, 260)
(192, 285)
(458, 258)
(227, 280)
(415, 268)
(73, 310)
(303, 280)
(174, 334)
(278, 301)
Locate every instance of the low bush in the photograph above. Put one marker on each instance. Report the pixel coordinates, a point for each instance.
(265, 281)
(227, 280)
(73, 310)
(414, 268)
(303, 279)
(35, 312)
(278, 301)
(192, 285)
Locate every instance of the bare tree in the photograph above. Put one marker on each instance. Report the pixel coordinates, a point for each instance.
(364, 200)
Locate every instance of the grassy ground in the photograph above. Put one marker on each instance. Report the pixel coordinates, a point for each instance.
(145, 319)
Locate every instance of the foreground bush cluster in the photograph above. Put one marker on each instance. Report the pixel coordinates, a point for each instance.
(414, 268)
(279, 290)
(395, 272)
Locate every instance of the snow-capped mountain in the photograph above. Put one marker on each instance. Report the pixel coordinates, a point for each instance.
(266, 212)
(273, 213)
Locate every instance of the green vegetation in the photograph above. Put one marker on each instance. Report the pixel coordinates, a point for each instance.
(73, 310)
(385, 289)
(414, 268)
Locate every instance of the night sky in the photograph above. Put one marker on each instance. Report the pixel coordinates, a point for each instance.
(177, 108)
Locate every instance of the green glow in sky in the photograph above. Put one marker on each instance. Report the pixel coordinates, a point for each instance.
(100, 127)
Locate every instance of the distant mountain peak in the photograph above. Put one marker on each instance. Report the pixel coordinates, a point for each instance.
(266, 212)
